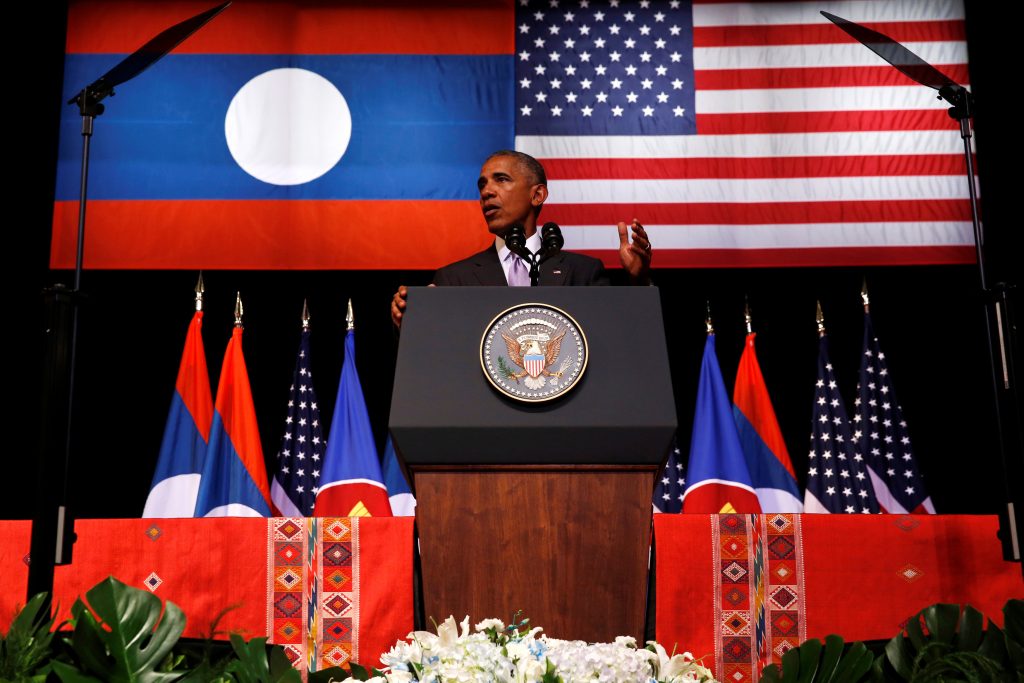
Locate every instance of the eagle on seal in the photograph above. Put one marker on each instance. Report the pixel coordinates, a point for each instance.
(534, 372)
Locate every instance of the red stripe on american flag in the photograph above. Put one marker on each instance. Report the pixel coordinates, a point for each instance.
(823, 122)
(775, 213)
(789, 258)
(816, 77)
(771, 167)
(825, 33)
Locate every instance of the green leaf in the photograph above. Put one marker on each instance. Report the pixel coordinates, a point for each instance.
(770, 674)
(25, 650)
(359, 672)
(993, 645)
(941, 620)
(791, 665)
(830, 660)
(334, 673)
(972, 626)
(128, 641)
(810, 653)
(255, 666)
(915, 633)
(900, 656)
(855, 664)
(281, 670)
(1013, 625)
(69, 674)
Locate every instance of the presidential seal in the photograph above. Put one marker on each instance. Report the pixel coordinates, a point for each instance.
(533, 352)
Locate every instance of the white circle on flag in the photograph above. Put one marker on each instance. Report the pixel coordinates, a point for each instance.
(288, 126)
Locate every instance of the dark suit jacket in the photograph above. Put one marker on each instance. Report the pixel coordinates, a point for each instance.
(563, 269)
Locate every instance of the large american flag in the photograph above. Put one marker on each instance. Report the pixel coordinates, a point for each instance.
(837, 476)
(745, 133)
(302, 446)
(882, 436)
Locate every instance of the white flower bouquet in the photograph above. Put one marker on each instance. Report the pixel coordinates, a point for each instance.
(518, 654)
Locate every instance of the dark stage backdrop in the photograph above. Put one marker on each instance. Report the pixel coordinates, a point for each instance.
(929, 321)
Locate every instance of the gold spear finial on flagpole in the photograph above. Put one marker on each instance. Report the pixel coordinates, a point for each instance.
(864, 295)
(199, 292)
(239, 310)
(350, 320)
(820, 317)
(707, 320)
(305, 315)
(746, 315)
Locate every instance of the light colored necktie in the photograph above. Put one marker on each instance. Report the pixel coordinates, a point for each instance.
(518, 275)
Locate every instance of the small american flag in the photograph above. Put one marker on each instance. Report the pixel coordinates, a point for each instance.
(668, 492)
(302, 446)
(745, 133)
(837, 476)
(882, 437)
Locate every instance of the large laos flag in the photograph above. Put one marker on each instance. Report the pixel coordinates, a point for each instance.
(287, 135)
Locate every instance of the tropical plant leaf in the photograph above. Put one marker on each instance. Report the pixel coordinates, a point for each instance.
(791, 665)
(1013, 625)
(128, 641)
(900, 656)
(855, 664)
(25, 650)
(810, 653)
(993, 645)
(916, 634)
(334, 673)
(958, 645)
(941, 620)
(813, 663)
(830, 659)
(255, 666)
(359, 672)
(970, 630)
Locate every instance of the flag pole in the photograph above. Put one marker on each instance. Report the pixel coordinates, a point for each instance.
(200, 290)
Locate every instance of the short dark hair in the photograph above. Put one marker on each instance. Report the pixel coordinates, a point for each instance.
(531, 165)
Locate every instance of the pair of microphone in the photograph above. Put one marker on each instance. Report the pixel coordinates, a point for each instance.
(551, 242)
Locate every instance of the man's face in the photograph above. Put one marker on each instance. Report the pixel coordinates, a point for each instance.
(508, 194)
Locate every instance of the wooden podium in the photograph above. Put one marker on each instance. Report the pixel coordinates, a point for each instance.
(543, 509)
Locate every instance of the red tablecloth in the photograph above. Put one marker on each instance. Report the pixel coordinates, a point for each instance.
(329, 590)
(723, 578)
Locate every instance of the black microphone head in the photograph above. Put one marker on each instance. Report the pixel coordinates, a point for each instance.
(551, 238)
(515, 239)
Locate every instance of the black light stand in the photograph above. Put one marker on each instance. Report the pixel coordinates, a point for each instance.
(52, 522)
(1000, 329)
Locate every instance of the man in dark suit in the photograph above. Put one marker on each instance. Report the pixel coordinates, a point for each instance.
(513, 189)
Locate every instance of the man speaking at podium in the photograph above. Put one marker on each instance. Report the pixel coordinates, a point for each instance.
(513, 188)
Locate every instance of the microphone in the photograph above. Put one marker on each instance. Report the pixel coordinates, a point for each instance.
(551, 240)
(515, 240)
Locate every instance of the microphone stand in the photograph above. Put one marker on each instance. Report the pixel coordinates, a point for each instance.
(53, 523)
